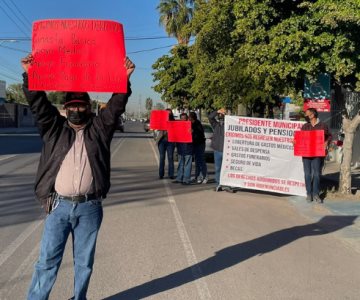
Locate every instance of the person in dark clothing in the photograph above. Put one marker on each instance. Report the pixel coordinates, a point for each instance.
(313, 165)
(166, 148)
(198, 137)
(216, 119)
(185, 151)
(73, 178)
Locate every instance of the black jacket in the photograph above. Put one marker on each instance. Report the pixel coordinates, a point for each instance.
(217, 142)
(198, 135)
(58, 138)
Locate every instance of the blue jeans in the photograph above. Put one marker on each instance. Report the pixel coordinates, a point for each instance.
(200, 164)
(184, 168)
(312, 171)
(83, 221)
(217, 161)
(166, 147)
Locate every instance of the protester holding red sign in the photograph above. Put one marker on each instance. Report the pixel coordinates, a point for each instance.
(165, 147)
(313, 165)
(198, 138)
(185, 151)
(72, 179)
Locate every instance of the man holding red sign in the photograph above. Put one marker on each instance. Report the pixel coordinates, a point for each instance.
(165, 148)
(313, 165)
(72, 179)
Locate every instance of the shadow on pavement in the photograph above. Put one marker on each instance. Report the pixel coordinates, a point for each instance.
(235, 254)
(20, 145)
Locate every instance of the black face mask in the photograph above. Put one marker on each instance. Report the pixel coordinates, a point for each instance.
(307, 119)
(77, 117)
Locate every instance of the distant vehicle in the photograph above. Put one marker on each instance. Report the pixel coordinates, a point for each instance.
(147, 125)
(120, 124)
(209, 132)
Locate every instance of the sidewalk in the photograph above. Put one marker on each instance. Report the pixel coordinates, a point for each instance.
(20, 130)
(334, 206)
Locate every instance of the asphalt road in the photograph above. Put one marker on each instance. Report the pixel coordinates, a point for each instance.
(161, 240)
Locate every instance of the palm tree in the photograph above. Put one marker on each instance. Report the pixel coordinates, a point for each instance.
(174, 16)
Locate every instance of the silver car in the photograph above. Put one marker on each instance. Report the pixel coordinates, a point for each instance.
(209, 151)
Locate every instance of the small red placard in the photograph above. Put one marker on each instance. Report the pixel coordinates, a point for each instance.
(159, 119)
(179, 131)
(309, 143)
(78, 55)
(322, 105)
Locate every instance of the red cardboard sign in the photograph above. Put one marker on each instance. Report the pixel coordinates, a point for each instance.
(322, 105)
(179, 131)
(159, 119)
(309, 143)
(78, 55)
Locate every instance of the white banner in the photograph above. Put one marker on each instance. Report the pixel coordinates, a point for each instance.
(258, 154)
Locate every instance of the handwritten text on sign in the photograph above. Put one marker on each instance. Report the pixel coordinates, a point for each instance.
(258, 154)
(78, 55)
(179, 131)
(159, 119)
(309, 143)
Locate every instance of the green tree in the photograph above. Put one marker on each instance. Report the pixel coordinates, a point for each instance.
(175, 16)
(174, 77)
(15, 94)
(56, 97)
(249, 50)
(159, 106)
(221, 78)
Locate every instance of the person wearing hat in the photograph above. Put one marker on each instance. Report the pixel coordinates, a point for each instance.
(73, 178)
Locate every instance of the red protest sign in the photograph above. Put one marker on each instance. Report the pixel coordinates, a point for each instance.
(309, 143)
(321, 105)
(159, 119)
(179, 131)
(78, 55)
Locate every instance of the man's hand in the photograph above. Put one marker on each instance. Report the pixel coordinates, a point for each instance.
(26, 62)
(221, 111)
(130, 67)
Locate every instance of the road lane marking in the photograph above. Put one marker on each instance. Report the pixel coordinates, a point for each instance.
(117, 148)
(4, 157)
(9, 250)
(24, 269)
(201, 285)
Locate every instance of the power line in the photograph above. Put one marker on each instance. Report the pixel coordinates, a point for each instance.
(16, 39)
(15, 14)
(26, 19)
(14, 49)
(22, 39)
(148, 50)
(133, 52)
(13, 21)
(8, 70)
(10, 77)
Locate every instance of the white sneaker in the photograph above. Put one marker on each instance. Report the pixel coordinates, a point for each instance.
(199, 180)
(205, 181)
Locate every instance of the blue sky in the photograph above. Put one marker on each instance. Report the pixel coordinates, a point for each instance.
(139, 18)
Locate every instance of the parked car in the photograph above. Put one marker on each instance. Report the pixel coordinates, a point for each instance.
(147, 125)
(209, 132)
(120, 124)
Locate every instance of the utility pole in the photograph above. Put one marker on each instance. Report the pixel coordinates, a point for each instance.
(139, 107)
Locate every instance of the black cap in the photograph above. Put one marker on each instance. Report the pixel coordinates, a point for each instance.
(76, 97)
